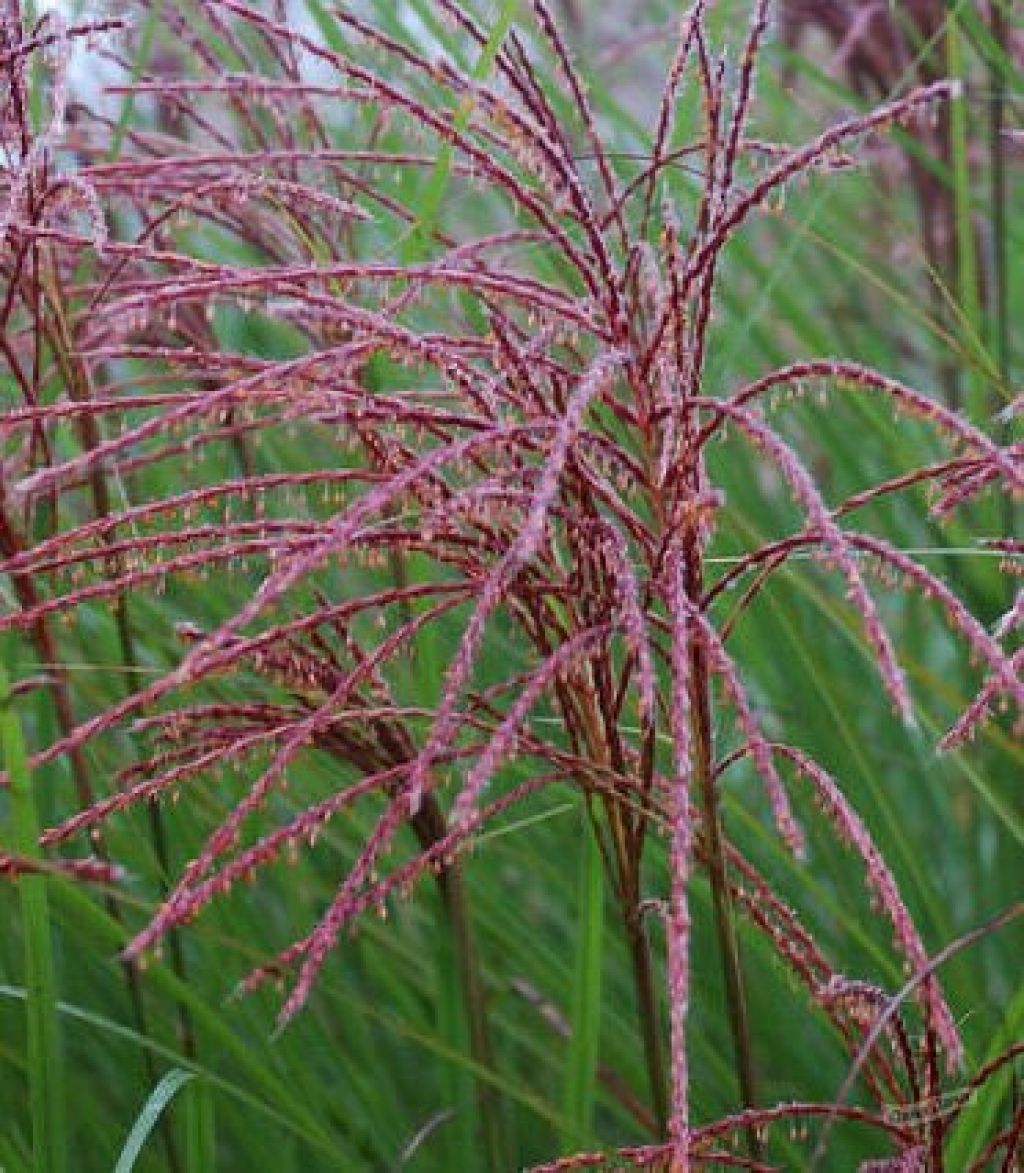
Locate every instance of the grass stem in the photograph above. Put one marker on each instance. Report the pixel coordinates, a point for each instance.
(724, 915)
(580, 1080)
(45, 1063)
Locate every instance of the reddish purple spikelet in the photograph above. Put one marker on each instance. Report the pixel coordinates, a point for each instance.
(760, 750)
(836, 548)
(880, 879)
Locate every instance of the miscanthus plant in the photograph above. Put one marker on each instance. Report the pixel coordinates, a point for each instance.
(499, 570)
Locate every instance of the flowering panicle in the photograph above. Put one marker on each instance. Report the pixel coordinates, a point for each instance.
(500, 431)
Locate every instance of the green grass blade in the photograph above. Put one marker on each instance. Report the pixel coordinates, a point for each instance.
(200, 1136)
(152, 1110)
(585, 1016)
(328, 27)
(117, 1031)
(45, 1064)
(979, 1119)
(12, 1155)
(418, 240)
(968, 290)
(456, 1081)
(140, 59)
(83, 916)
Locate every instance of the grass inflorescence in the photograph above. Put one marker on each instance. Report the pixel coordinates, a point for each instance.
(366, 408)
